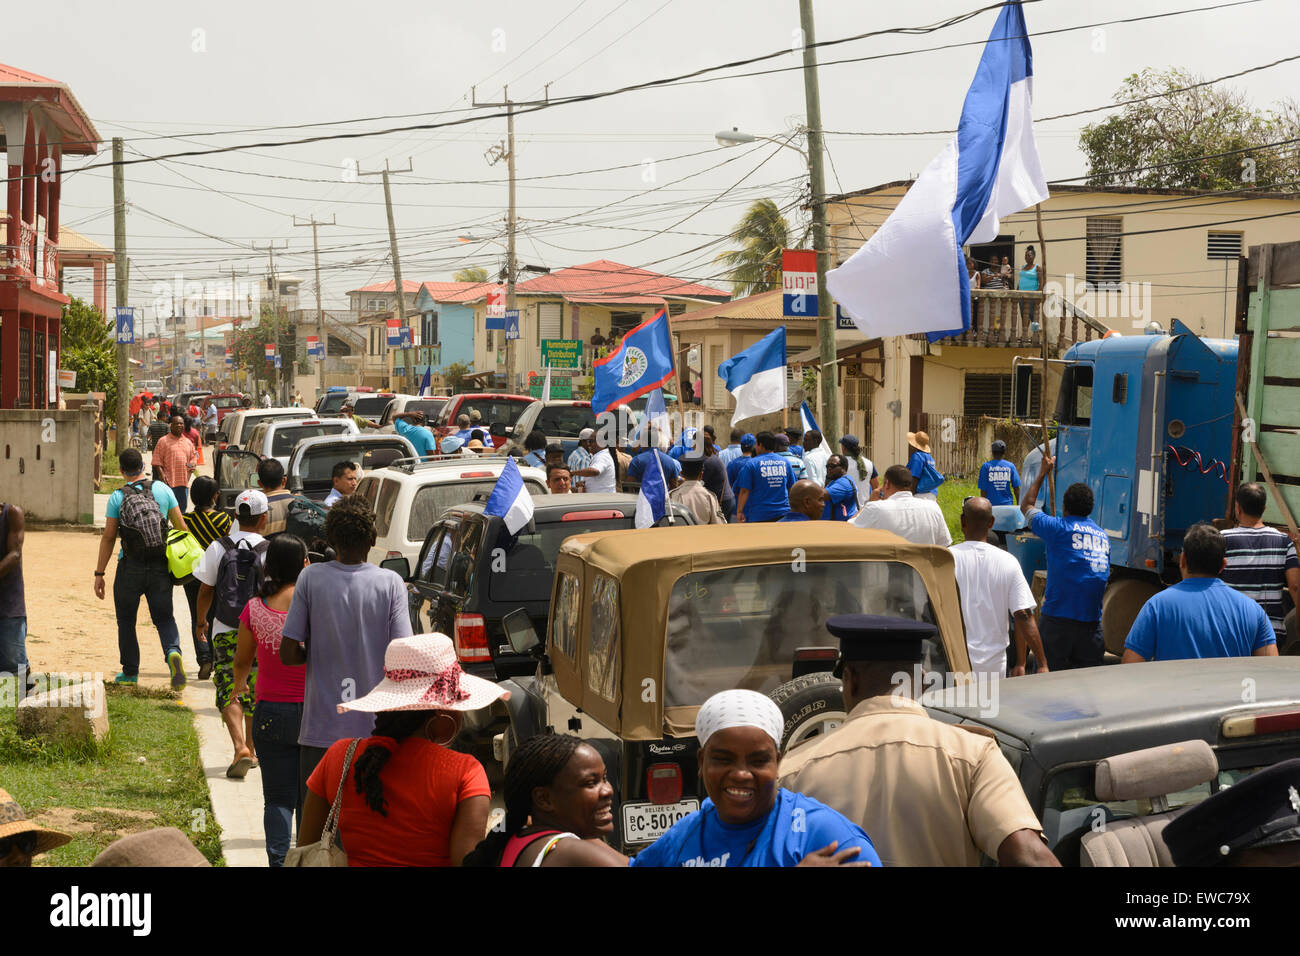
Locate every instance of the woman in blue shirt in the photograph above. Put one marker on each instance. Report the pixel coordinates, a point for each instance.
(925, 475)
(1030, 279)
(747, 819)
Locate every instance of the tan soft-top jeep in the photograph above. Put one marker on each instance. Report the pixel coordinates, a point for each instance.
(645, 625)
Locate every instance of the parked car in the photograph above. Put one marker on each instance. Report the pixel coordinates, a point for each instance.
(643, 626)
(332, 400)
(498, 412)
(276, 437)
(186, 399)
(1056, 728)
(240, 423)
(409, 403)
(312, 463)
(226, 403)
(560, 421)
(408, 497)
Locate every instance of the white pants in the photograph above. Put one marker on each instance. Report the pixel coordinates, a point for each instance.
(929, 496)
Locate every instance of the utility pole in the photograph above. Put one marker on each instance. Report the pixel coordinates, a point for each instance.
(392, 244)
(494, 155)
(275, 300)
(825, 316)
(234, 316)
(120, 287)
(320, 312)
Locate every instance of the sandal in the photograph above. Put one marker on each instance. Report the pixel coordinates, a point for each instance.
(239, 769)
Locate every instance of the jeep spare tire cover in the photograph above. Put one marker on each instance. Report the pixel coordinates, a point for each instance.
(810, 705)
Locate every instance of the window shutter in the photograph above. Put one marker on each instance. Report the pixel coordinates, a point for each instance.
(1223, 245)
(1103, 251)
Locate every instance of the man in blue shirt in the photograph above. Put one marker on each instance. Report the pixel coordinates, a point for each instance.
(807, 501)
(841, 492)
(763, 487)
(747, 443)
(1200, 616)
(732, 451)
(410, 425)
(1078, 567)
(685, 443)
(999, 481)
(925, 476)
(643, 460)
(795, 461)
(794, 434)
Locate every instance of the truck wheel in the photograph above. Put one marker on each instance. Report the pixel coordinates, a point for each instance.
(1120, 606)
(812, 705)
(1291, 645)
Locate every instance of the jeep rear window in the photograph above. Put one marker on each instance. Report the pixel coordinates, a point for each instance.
(432, 500)
(527, 570)
(603, 658)
(740, 627)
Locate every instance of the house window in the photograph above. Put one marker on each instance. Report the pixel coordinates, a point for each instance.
(24, 368)
(549, 317)
(993, 395)
(676, 308)
(1103, 260)
(429, 328)
(1223, 245)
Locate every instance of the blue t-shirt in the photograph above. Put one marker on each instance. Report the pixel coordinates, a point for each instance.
(1078, 565)
(795, 516)
(768, 478)
(796, 450)
(684, 444)
(636, 468)
(534, 459)
(734, 466)
(796, 826)
(926, 480)
(997, 478)
(729, 454)
(844, 500)
(417, 435)
(1199, 617)
(162, 494)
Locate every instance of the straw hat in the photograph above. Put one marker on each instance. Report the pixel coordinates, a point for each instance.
(475, 444)
(13, 822)
(165, 846)
(919, 440)
(422, 673)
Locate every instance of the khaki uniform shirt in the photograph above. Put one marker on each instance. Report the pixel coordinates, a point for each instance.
(699, 501)
(927, 793)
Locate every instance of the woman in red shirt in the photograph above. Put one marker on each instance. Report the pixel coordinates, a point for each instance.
(408, 800)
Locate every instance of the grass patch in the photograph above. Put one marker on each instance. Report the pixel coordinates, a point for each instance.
(111, 475)
(99, 792)
(951, 493)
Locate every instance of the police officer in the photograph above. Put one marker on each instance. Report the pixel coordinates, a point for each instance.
(929, 793)
(1256, 822)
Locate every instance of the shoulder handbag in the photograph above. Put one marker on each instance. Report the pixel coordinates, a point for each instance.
(326, 852)
(183, 555)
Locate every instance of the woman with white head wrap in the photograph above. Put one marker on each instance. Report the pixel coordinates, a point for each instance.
(747, 819)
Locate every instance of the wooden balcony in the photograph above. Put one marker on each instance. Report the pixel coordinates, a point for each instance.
(1002, 318)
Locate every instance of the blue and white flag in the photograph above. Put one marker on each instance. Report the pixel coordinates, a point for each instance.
(806, 419)
(911, 275)
(656, 417)
(643, 360)
(510, 500)
(756, 376)
(652, 499)
(426, 386)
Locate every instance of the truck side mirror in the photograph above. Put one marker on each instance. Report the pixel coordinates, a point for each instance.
(520, 631)
(400, 565)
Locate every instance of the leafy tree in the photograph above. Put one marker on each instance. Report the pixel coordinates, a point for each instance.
(88, 347)
(454, 375)
(471, 274)
(762, 234)
(1174, 127)
(248, 345)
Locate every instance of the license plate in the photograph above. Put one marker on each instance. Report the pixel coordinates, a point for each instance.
(647, 822)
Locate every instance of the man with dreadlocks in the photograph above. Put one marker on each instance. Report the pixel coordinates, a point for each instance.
(343, 615)
(559, 783)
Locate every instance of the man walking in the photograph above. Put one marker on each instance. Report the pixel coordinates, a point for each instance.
(1200, 616)
(176, 455)
(747, 444)
(841, 492)
(815, 453)
(140, 509)
(698, 499)
(1261, 561)
(763, 486)
(271, 480)
(794, 461)
(918, 520)
(210, 418)
(13, 601)
(993, 589)
(925, 476)
(999, 481)
(732, 451)
(1078, 567)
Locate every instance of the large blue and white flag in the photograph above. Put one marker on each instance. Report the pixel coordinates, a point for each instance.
(642, 361)
(510, 500)
(806, 419)
(911, 275)
(756, 376)
(652, 499)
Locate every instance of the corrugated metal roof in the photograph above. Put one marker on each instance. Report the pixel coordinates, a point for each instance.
(610, 279)
(767, 306)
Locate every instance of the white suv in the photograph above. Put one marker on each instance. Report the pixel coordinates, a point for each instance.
(409, 497)
(276, 438)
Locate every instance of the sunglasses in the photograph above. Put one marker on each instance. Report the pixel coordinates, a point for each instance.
(25, 842)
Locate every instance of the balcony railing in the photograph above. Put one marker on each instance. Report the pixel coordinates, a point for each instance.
(1004, 318)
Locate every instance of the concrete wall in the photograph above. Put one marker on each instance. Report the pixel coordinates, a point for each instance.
(47, 463)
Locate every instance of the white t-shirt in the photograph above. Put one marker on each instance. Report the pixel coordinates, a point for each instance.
(992, 588)
(860, 470)
(914, 519)
(605, 480)
(210, 564)
(814, 464)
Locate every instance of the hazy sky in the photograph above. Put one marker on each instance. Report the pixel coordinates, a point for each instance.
(145, 70)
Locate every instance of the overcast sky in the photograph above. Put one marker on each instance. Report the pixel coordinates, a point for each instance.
(145, 70)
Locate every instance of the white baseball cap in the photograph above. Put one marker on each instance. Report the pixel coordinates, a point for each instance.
(254, 500)
(586, 433)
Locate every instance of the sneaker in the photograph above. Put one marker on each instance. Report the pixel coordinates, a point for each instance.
(178, 670)
(205, 670)
(126, 679)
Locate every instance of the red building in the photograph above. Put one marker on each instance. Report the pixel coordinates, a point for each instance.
(41, 122)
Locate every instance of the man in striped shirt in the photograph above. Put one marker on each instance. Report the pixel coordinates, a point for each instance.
(1261, 561)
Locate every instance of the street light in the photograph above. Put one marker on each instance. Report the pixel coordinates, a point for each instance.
(734, 137)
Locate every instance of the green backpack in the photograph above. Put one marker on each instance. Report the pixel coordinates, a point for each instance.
(183, 555)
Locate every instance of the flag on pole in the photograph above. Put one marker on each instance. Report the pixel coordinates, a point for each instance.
(911, 276)
(652, 499)
(642, 361)
(426, 383)
(806, 419)
(546, 387)
(510, 500)
(756, 376)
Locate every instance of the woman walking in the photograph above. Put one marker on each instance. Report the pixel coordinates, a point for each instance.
(207, 524)
(277, 708)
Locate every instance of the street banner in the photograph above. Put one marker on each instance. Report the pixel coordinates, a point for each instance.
(313, 346)
(512, 323)
(270, 352)
(496, 302)
(125, 324)
(799, 282)
(394, 333)
(277, 361)
(229, 358)
(67, 378)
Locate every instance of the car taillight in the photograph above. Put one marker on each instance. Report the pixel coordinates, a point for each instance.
(601, 515)
(1252, 725)
(471, 638)
(663, 782)
(393, 554)
(477, 474)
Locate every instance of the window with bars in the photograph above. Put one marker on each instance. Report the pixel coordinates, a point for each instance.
(1103, 259)
(676, 308)
(1223, 245)
(24, 368)
(994, 395)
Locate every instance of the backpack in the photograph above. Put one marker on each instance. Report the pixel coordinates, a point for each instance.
(239, 576)
(306, 519)
(183, 555)
(142, 523)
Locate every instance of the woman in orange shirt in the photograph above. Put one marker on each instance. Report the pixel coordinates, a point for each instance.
(407, 800)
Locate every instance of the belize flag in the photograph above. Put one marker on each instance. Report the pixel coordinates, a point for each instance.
(756, 376)
(642, 362)
(510, 500)
(911, 275)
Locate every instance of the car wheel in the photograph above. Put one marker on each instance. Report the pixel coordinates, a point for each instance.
(1291, 645)
(811, 705)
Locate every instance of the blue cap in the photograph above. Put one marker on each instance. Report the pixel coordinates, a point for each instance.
(451, 444)
(850, 441)
(748, 441)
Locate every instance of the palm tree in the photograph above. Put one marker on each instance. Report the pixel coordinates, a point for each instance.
(470, 274)
(763, 234)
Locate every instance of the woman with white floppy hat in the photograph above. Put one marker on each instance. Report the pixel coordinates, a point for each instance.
(747, 819)
(407, 799)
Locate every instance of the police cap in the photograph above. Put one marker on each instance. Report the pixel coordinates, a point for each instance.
(878, 637)
(1260, 810)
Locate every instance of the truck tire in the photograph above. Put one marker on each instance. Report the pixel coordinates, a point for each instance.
(1291, 645)
(1120, 606)
(812, 705)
